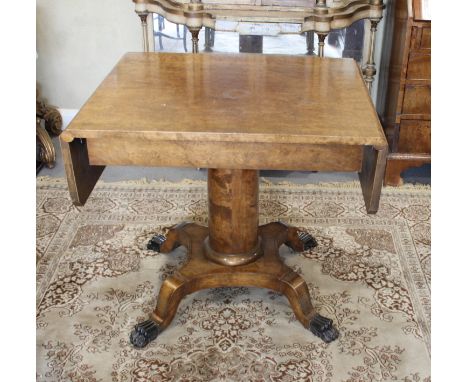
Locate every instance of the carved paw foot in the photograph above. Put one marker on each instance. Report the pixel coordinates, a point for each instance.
(156, 242)
(307, 239)
(323, 327)
(144, 333)
(300, 241)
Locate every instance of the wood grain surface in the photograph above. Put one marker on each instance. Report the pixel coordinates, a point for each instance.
(81, 176)
(233, 216)
(407, 112)
(231, 98)
(198, 272)
(228, 155)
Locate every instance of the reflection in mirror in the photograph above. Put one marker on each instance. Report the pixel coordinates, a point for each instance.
(348, 42)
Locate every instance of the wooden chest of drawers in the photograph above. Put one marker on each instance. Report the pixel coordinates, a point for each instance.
(407, 113)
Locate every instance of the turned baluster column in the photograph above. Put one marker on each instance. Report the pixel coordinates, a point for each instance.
(194, 32)
(195, 24)
(369, 69)
(321, 45)
(321, 9)
(143, 17)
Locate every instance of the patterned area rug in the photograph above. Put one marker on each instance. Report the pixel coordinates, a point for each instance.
(96, 280)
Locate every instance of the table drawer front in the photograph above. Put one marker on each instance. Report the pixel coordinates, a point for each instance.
(417, 99)
(415, 136)
(230, 155)
(419, 67)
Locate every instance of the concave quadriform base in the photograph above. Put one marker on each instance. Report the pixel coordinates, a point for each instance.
(199, 272)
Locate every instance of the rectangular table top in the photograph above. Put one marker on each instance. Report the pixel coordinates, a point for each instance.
(231, 98)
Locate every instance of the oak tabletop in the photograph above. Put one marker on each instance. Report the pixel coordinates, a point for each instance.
(231, 98)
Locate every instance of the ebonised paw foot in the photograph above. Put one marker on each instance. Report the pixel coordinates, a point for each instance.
(323, 327)
(300, 241)
(144, 333)
(307, 239)
(156, 242)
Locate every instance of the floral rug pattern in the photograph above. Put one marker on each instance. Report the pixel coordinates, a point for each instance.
(96, 280)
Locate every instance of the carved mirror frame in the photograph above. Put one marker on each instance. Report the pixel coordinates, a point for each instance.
(271, 17)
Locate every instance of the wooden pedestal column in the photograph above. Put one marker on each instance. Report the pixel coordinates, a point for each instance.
(232, 251)
(233, 217)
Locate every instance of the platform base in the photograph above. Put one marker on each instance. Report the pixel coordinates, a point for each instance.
(199, 272)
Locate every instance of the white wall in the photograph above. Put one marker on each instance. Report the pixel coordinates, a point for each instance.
(78, 42)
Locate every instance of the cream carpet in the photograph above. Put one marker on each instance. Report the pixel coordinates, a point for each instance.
(95, 280)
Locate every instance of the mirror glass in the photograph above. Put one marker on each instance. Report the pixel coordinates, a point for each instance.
(170, 37)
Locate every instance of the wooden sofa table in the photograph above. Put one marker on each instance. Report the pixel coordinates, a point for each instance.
(233, 114)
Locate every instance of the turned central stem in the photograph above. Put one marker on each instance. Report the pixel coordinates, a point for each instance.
(233, 216)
